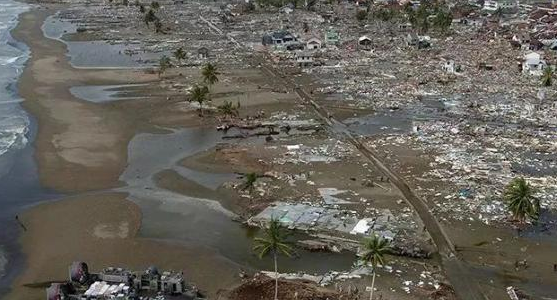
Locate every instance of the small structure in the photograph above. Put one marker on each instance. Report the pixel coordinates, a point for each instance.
(449, 67)
(533, 64)
(500, 5)
(418, 41)
(364, 43)
(304, 59)
(279, 38)
(332, 37)
(203, 53)
(313, 43)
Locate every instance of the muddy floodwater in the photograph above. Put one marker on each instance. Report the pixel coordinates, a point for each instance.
(197, 221)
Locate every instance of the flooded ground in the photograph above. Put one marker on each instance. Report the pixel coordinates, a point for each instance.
(199, 221)
(107, 93)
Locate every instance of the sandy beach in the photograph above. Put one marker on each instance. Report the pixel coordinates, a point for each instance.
(82, 147)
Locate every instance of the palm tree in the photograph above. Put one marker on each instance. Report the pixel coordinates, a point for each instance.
(164, 63)
(251, 178)
(547, 77)
(150, 17)
(373, 252)
(521, 200)
(210, 73)
(158, 26)
(199, 94)
(179, 54)
(274, 242)
(228, 109)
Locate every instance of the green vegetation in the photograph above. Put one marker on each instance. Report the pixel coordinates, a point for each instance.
(209, 73)
(521, 201)
(158, 26)
(547, 77)
(273, 242)
(229, 110)
(164, 64)
(155, 5)
(142, 10)
(430, 15)
(179, 54)
(385, 13)
(361, 15)
(199, 94)
(251, 178)
(150, 17)
(373, 253)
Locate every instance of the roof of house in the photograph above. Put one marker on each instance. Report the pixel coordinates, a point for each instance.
(314, 40)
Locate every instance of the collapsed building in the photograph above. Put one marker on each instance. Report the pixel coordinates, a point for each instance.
(122, 284)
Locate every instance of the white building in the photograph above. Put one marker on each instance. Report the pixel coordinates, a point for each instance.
(313, 43)
(304, 58)
(533, 64)
(504, 5)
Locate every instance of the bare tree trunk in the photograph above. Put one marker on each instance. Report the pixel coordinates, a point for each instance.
(276, 276)
(372, 286)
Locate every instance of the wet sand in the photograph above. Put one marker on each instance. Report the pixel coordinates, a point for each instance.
(82, 147)
(101, 230)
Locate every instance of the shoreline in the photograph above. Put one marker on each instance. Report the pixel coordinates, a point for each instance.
(79, 169)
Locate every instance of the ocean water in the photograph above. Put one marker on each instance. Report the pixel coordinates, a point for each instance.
(14, 122)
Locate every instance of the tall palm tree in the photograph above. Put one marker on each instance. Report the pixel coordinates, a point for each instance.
(199, 94)
(158, 26)
(150, 17)
(273, 242)
(210, 73)
(373, 252)
(547, 77)
(164, 64)
(521, 200)
(179, 54)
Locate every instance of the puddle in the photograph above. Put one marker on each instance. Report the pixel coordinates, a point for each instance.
(195, 221)
(101, 54)
(105, 93)
(55, 28)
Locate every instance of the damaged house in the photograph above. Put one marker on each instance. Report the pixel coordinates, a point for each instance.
(533, 64)
(279, 38)
(364, 43)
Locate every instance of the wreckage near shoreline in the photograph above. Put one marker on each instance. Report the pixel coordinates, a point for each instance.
(122, 284)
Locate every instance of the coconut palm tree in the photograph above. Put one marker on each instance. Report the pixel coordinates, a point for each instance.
(373, 253)
(521, 200)
(228, 109)
(273, 242)
(158, 26)
(164, 64)
(150, 17)
(179, 54)
(547, 77)
(210, 73)
(199, 94)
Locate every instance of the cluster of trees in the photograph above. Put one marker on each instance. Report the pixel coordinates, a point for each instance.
(201, 93)
(430, 15)
(151, 17)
